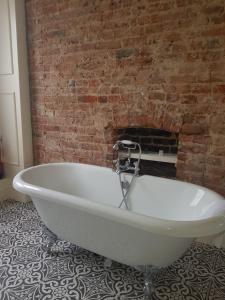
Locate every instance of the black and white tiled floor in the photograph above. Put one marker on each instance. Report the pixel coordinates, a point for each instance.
(27, 272)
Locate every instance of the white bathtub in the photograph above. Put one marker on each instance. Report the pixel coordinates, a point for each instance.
(79, 203)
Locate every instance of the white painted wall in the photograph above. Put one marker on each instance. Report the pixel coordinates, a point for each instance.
(15, 116)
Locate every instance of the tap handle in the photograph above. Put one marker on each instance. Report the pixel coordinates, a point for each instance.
(127, 142)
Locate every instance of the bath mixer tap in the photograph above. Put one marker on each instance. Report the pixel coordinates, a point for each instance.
(124, 164)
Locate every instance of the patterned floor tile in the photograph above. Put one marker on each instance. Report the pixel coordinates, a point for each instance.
(28, 272)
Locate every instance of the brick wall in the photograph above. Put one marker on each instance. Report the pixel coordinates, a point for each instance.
(96, 66)
(151, 140)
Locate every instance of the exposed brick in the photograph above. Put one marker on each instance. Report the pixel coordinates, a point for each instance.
(220, 89)
(87, 99)
(193, 129)
(214, 9)
(124, 53)
(96, 66)
(102, 99)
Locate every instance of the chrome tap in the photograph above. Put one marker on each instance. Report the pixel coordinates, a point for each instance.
(124, 164)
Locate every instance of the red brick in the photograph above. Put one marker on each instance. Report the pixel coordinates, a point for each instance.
(87, 99)
(219, 89)
(157, 64)
(193, 129)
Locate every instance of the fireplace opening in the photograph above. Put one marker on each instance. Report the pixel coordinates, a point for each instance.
(159, 150)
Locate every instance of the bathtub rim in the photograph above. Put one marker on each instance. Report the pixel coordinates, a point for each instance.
(176, 228)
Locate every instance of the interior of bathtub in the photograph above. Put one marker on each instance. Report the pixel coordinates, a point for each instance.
(149, 195)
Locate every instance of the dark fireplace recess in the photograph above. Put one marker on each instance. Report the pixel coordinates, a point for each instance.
(159, 149)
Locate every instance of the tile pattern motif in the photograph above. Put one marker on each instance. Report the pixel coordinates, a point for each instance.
(28, 272)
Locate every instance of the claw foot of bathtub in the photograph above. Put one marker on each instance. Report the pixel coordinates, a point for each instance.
(148, 291)
(52, 238)
(107, 263)
(149, 272)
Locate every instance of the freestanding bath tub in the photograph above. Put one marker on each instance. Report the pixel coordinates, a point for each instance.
(78, 203)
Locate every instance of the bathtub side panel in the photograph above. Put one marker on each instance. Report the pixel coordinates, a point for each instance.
(120, 242)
